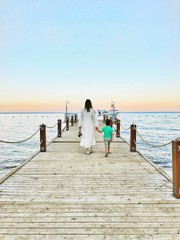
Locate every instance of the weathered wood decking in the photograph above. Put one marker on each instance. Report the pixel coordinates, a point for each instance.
(66, 194)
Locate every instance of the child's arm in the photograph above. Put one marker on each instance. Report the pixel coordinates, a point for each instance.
(98, 130)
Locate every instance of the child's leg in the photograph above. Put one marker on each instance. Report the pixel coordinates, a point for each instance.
(108, 147)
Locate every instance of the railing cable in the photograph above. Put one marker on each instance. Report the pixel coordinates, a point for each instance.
(125, 128)
(52, 126)
(152, 145)
(3, 141)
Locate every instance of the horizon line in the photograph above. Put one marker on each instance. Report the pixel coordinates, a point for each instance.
(39, 112)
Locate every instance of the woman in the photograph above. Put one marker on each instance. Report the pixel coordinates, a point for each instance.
(87, 124)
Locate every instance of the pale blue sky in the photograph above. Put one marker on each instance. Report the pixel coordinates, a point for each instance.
(127, 51)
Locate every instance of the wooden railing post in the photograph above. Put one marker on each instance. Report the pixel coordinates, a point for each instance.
(117, 128)
(67, 124)
(133, 138)
(111, 122)
(72, 120)
(42, 138)
(176, 167)
(59, 127)
(75, 118)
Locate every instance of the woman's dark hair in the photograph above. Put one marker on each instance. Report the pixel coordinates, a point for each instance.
(88, 105)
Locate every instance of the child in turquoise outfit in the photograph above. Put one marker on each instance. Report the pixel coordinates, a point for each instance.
(108, 136)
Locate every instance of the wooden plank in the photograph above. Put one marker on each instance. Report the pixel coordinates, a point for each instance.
(94, 237)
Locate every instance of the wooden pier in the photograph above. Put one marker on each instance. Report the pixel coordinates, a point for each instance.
(65, 194)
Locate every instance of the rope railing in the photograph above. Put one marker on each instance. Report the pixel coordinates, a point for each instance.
(52, 126)
(152, 145)
(175, 157)
(124, 128)
(64, 129)
(153, 164)
(21, 141)
(42, 130)
(24, 140)
(145, 141)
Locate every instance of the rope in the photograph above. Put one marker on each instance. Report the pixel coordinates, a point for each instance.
(64, 129)
(125, 128)
(114, 129)
(61, 130)
(21, 140)
(52, 126)
(152, 145)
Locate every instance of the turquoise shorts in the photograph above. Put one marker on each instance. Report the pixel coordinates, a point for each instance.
(107, 142)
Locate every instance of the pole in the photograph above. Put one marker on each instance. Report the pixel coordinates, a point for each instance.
(104, 118)
(42, 138)
(72, 120)
(59, 127)
(176, 167)
(111, 122)
(118, 128)
(133, 138)
(66, 109)
(113, 110)
(75, 120)
(67, 124)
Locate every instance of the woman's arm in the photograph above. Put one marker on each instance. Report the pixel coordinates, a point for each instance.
(81, 118)
(98, 130)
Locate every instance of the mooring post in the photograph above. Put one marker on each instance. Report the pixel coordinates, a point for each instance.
(75, 118)
(133, 138)
(59, 127)
(111, 122)
(176, 167)
(42, 138)
(67, 124)
(72, 119)
(117, 128)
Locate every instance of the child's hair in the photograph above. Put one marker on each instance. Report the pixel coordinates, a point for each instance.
(108, 122)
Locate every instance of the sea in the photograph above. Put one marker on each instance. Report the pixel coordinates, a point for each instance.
(20, 140)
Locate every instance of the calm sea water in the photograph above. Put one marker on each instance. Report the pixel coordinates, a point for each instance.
(155, 128)
(16, 127)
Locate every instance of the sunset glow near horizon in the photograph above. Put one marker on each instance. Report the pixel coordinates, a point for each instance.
(57, 51)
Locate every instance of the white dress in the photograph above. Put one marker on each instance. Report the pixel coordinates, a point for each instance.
(88, 122)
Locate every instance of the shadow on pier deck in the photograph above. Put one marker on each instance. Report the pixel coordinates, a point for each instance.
(65, 194)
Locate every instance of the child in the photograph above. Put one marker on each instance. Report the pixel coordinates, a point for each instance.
(108, 136)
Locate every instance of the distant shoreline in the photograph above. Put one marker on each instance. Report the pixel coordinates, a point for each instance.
(78, 112)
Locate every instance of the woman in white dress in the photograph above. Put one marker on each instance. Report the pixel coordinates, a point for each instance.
(87, 124)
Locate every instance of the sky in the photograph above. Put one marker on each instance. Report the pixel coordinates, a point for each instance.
(122, 51)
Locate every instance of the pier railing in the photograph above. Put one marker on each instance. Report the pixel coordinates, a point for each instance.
(61, 127)
(42, 129)
(175, 153)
